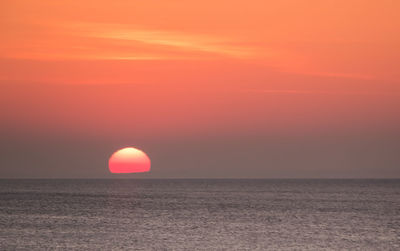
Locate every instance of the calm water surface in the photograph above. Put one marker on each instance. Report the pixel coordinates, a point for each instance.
(200, 214)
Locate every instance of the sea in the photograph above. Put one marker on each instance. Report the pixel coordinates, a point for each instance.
(199, 214)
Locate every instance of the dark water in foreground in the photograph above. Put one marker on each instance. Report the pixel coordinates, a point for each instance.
(200, 214)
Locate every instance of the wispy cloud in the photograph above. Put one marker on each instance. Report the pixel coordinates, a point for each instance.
(100, 41)
(108, 41)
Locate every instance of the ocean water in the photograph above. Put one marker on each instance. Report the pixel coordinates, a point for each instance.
(200, 214)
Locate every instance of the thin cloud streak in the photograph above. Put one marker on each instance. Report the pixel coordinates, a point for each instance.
(334, 75)
(312, 92)
(180, 41)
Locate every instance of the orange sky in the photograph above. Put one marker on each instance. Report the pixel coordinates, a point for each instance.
(177, 68)
(252, 54)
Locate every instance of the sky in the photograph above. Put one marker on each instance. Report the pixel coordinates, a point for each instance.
(208, 89)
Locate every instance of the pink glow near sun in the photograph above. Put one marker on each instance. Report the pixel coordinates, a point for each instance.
(129, 160)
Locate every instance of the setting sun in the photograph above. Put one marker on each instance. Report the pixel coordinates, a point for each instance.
(129, 160)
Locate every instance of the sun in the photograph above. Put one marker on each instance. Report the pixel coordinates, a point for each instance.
(129, 160)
